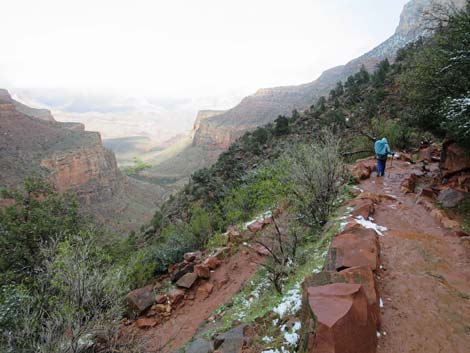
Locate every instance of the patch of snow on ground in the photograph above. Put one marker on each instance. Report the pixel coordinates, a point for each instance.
(290, 303)
(291, 337)
(371, 225)
(267, 339)
(381, 303)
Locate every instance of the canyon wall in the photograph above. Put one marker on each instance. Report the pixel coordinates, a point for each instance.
(217, 132)
(33, 143)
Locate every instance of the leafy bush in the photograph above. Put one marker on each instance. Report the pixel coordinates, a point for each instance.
(315, 176)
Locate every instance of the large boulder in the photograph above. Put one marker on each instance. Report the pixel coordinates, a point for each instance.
(202, 271)
(141, 299)
(455, 160)
(356, 275)
(356, 246)
(344, 320)
(450, 198)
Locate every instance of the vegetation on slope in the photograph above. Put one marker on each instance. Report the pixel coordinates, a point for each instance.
(61, 287)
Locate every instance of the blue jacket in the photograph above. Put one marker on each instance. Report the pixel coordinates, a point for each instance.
(382, 148)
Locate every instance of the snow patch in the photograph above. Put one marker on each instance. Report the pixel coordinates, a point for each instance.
(292, 337)
(259, 218)
(381, 303)
(371, 225)
(290, 303)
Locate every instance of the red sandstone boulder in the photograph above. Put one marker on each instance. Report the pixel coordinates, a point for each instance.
(363, 207)
(360, 171)
(187, 280)
(192, 256)
(202, 271)
(355, 247)
(344, 320)
(455, 160)
(256, 226)
(425, 154)
(141, 299)
(175, 296)
(212, 262)
(204, 290)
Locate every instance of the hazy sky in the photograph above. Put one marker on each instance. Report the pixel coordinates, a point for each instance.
(184, 48)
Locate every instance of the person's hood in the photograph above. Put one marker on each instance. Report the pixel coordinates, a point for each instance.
(384, 140)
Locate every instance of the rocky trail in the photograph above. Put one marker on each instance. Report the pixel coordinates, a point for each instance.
(424, 281)
(396, 249)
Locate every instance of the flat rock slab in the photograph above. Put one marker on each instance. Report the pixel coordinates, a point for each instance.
(187, 280)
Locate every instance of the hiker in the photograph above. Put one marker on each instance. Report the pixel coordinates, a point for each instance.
(382, 150)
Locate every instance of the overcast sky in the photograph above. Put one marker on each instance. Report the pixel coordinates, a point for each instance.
(183, 48)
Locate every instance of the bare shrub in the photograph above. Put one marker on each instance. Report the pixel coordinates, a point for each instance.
(282, 249)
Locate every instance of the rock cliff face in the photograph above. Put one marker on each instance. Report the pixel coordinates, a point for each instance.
(264, 106)
(32, 142)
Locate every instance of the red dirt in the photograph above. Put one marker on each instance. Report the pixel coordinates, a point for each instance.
(185, 320)
(425, 283)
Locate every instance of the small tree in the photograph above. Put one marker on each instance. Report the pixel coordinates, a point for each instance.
(316, 175)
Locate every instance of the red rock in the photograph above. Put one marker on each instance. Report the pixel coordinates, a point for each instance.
(256, 226)
(187, 280)
(408, 185)
(141, 299)
(161, 299)
(146, 322)
(233, 234)
(455, 160)
(344, 320)
(204, 290)
(212, 262)
(202, 271)
(175, 296)
(356, 247)
(463, 182)
(360, 171)
(425, 154)
(192, 256)
(363, 207)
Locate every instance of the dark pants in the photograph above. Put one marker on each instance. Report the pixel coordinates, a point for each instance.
(381, 167)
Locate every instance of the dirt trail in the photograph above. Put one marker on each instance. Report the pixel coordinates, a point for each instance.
(425, 283)
(227, 280)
